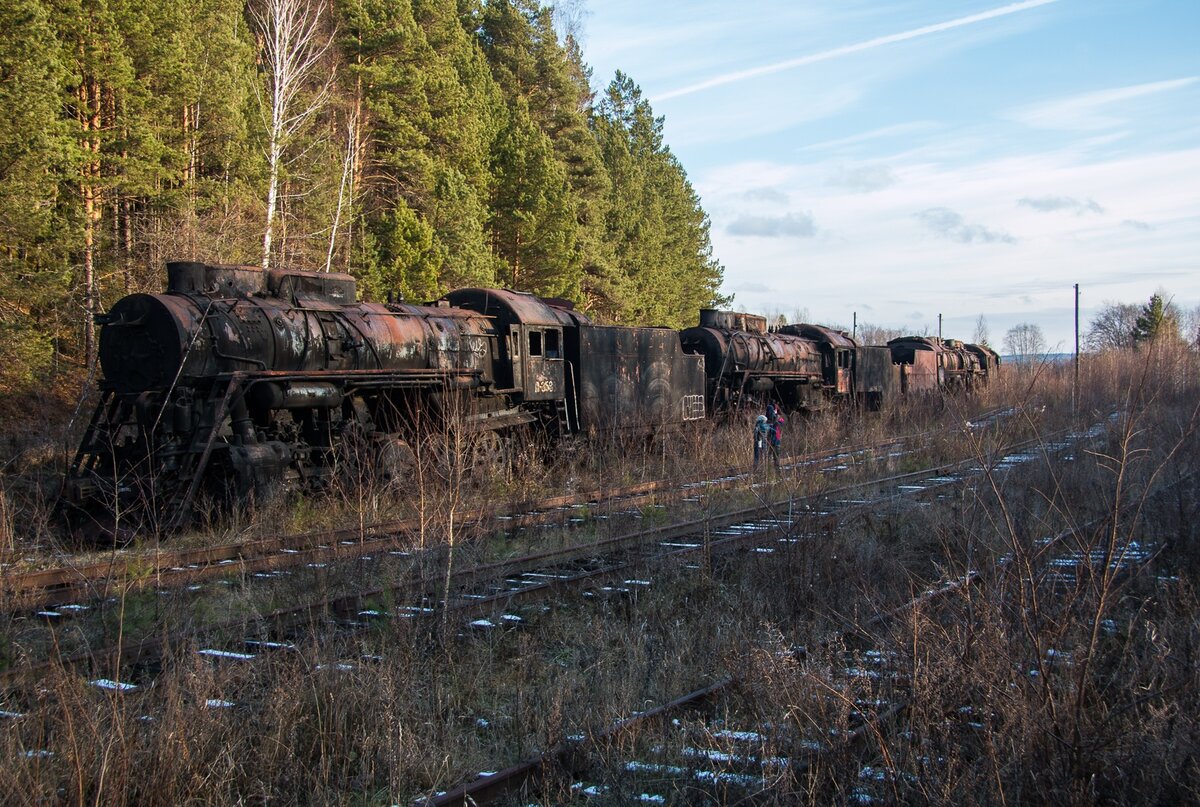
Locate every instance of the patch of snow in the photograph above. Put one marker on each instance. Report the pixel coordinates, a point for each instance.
(225, 654)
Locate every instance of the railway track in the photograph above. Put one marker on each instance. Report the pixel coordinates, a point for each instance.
(166, 568)
(484, 589)
(680, 757)
(525, 578)
(74, 585)
(484, 594)
(861, 690)
(173, 568)
(123, 572)
(713, 745)
(716, 760)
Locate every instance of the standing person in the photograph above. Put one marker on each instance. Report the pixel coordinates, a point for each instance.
(762, 431)
(775, 421)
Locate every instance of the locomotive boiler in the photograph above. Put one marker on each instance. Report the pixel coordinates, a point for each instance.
(803, 367)
(235, 379)
(930, 364)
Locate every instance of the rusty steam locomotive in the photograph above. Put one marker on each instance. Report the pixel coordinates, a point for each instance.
(236, 379)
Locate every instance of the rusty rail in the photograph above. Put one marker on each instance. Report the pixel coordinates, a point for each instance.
(517, 778)
(132, 652)
(176, 567)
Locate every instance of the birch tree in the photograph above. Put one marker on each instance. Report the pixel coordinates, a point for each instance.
(981, 331)
(346, 186)
(289, 32)
(1025, 340)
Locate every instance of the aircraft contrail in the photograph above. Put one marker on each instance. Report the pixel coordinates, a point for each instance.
(754, 72)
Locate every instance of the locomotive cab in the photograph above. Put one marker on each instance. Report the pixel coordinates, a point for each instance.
(538, 361)
(837, 355)
(920, 367)
(535, 362)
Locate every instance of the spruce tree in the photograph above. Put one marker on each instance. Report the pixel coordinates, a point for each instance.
(1157, 321)
(663, 267)
(37, 234)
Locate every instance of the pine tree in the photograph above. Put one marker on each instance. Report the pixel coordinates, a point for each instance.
(664, 270)
(461, 146)
(101, 82)
(1157, 321)
(213, 214)
(37, 235)
(533, 222)
(546, 84)
(429, 101)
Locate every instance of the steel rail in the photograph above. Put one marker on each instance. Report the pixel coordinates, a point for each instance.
(140, 651)
(519, 777)
(175, 567)
(109, 659)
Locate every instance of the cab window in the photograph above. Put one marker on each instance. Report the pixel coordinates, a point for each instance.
(535, 343)
(552, 349)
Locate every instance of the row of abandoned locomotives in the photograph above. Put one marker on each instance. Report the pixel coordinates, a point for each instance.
(234, 380)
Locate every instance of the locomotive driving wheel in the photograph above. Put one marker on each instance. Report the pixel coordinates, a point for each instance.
(490, 452)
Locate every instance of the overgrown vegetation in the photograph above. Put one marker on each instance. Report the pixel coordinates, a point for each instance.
(1026, 687)
(420, 145)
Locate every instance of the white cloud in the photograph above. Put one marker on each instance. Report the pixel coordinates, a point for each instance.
(870, 249)
(949, 224)
(766, 195)
(1093, 110)
(1050, 204)
(863, 178)
(789, 225)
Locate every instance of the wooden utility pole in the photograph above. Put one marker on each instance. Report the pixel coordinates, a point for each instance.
(1075, 387)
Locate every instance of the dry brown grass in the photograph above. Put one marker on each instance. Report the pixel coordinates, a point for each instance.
(1109, 716)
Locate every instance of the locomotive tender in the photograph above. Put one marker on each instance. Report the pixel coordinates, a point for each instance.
(235, 379)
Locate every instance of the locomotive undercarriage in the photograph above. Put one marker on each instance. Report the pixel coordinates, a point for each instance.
(794, 395)
(152, 464)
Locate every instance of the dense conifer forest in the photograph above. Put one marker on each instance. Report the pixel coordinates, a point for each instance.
(420, 145)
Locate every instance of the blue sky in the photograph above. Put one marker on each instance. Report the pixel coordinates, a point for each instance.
(905, 159)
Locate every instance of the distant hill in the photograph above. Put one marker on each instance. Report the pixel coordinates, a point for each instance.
(1056, 358)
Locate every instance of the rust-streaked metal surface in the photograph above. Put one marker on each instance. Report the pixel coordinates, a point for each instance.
(732, 321)
(526, 327)
(931, 364)
(821, 334)
(509, 307)
(152, 341)
(749, 368)
(635, 377)
(876, 378)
